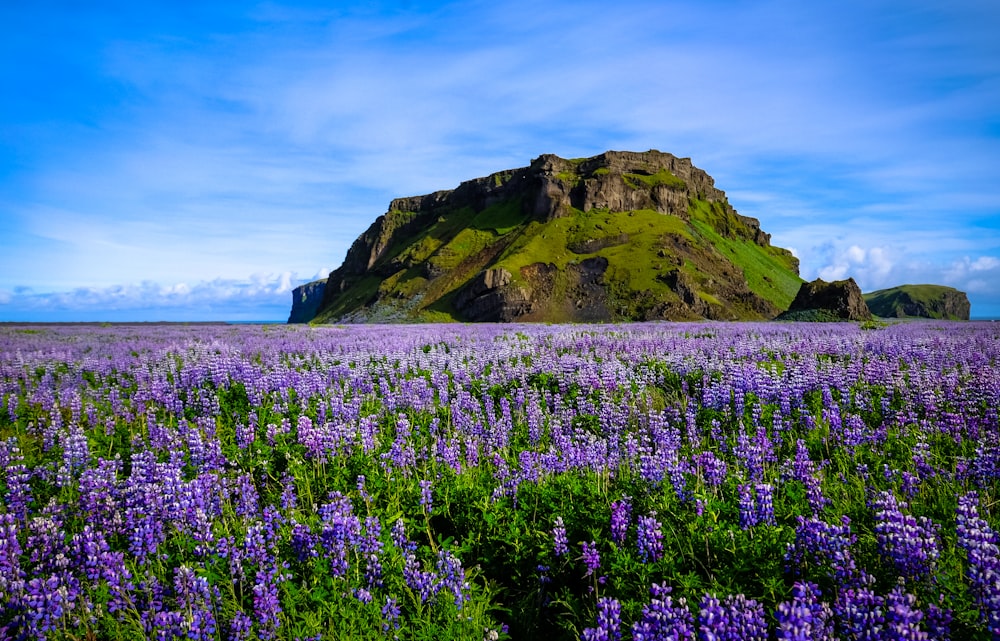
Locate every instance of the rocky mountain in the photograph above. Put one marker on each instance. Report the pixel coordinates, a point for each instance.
(619, 236)
(840, 300)
(306, 300)
(919, 301)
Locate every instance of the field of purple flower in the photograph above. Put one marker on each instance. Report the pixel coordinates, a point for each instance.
(654, 481)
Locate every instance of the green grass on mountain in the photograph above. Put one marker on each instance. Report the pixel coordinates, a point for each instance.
(423, 272)
(769, 270)
(549, 242)
(501, 218)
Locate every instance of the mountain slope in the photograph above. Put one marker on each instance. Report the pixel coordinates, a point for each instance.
(620, 236)
(919, 301)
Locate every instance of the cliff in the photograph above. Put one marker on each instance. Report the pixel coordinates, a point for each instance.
(619, 236)
(920, 301)
(306, 300)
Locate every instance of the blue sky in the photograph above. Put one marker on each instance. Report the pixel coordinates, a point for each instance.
(195, 161)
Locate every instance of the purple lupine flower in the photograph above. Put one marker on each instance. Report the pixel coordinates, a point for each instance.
(825, 546)
(938, 621)
(197, 601)
(911, 544)
(76, 455)
(451, 577)
(341, 530)
(559, 539)
(399, 538)
(591, 557)
(289, 495)
(621, 516)
(390, 615)
(90, 549)
(712, 468)
(650, 538)
(18, 490)
(370, 547)
(119, 580)
(266, 603)
(735, 619)
(804, 618)
(902, 617)
(543, 575)
(46, 602)
(11, 574)
(426, 498)
(663, 619)
(241, 627)
(765, 504)
(982, 547)
(804, 470)
(304, 542)
(608, 622)
(417, 579)
(748, 507)
(362, 491)
(860, 613)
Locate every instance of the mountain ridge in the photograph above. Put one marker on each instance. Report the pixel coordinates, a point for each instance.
(617, 236)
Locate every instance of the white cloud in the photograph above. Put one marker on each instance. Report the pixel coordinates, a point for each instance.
(984, 263)
(221, 299)
(872, 267)
(855, 254)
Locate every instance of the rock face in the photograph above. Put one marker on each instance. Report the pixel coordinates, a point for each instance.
(820, 300)
(920, 301)
(491, 296)
(306, 300)
(565, 240)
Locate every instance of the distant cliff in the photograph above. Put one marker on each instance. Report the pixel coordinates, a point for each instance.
(306, 300)
(920, 301)
(619, 236)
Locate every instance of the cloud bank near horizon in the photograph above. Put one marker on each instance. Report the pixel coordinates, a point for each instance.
(199, 144)
(261, 297)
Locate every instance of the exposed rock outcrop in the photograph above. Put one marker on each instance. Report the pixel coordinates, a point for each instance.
(306, 300)
(491, 296)
(920, 301)
(820, 300)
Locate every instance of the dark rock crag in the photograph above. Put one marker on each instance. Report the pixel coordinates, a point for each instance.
(920, 301)
(413, 263)
(306, 300)
(840, 300)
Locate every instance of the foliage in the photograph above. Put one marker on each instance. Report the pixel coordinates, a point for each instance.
(470, 482)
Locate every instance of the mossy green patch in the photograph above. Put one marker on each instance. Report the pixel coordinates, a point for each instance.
(570, 177)
(466, 243)
(549, 242)
(662, 177)
(501, 218)
(708, 298)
